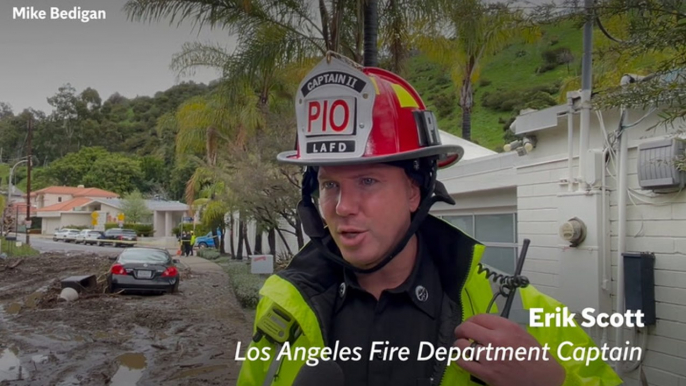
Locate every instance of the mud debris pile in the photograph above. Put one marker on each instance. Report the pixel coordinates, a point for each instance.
(178, 339)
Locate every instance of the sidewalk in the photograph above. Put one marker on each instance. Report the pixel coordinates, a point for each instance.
(197, 264)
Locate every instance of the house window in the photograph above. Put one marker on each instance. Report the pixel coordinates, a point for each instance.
(497, 231)
(59, 199)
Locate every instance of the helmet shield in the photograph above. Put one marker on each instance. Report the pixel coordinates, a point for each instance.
(347, 115)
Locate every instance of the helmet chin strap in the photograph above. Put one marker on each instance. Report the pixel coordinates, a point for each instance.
(315, 230)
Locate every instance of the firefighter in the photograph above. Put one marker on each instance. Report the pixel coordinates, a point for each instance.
(378, 267)
(192, 246)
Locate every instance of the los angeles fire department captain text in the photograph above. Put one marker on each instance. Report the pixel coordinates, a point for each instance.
(383, 351)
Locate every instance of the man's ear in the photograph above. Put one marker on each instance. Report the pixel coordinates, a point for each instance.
(415, 195)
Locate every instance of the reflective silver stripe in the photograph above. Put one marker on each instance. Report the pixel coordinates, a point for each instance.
(273, 368)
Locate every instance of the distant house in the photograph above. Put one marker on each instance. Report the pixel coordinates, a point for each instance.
(165, 214)
(60, 206)
(16, 205)
(64, 206)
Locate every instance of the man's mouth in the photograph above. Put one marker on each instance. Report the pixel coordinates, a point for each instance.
(350, 235)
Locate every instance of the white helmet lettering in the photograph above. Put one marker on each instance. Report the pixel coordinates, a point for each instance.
(333, 116)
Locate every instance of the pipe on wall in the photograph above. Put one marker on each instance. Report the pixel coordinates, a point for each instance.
(570, 142)
(622, 194)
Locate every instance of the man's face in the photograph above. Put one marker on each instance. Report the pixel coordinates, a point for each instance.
(367, 209)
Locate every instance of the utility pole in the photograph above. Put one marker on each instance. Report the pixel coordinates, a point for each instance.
(28, 181)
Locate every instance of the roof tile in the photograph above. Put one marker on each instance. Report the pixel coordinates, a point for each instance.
(67, 205)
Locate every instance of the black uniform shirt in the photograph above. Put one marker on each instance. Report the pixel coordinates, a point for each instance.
(403, 317)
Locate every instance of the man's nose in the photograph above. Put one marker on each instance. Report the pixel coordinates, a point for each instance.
(348, 202)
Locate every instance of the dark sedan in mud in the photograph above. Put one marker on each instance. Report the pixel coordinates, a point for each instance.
(143, 270)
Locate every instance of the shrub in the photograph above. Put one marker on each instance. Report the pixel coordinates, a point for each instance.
(546, 67)
(484, 82)
(209, 253)
(540, 100)
(445, 104)
(555, 57)
(142, 230)
(79, 227)
(245, 285)
(501, 100)
(199, 229)
(550, 88)
(514, 100)
(247, 290)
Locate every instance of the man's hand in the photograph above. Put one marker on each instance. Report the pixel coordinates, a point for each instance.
(485, 329)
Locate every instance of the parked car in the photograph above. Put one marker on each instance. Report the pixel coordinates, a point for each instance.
(117, 237)
(61, 234)
(88, 236)
(143, 269)
(71, 234)
(204, 241)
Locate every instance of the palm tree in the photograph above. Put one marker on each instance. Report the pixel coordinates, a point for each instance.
(303, 28)
(213, 206)
(470, 34)
(277, 43)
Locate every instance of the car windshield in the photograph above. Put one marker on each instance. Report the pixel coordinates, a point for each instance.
(143, 256)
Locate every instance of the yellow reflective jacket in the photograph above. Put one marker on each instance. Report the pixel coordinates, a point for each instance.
(308, 287)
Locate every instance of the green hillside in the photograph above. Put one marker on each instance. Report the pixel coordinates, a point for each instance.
(513, 70)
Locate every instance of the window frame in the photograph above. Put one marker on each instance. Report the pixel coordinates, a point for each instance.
(495, 244)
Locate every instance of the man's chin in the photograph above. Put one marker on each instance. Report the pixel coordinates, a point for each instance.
(362, 262)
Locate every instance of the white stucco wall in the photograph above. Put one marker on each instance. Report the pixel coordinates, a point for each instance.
(50, 225)
(51, 199)
(583, 276)
(75, 219)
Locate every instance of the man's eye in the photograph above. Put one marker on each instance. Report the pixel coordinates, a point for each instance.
(368, 181)
(328, 185)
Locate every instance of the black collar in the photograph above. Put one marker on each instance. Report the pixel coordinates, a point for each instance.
(423, 285)
(318, 280)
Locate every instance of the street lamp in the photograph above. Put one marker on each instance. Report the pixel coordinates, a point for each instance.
(9, 183)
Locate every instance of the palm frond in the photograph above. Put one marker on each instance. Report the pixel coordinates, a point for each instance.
(196, 54)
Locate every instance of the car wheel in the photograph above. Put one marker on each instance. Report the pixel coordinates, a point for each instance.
(202, 245)
(175, 288)
(99, 243)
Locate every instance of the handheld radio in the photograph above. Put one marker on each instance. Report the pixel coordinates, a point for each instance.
(278, 327)
(508, 287)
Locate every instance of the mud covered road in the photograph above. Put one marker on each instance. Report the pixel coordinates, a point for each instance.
(188, 338)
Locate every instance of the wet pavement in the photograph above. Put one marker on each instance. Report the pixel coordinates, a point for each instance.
(187, 338)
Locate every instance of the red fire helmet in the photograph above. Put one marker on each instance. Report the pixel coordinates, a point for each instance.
(350, 114)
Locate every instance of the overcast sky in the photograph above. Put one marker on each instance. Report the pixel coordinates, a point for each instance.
(112, 55)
